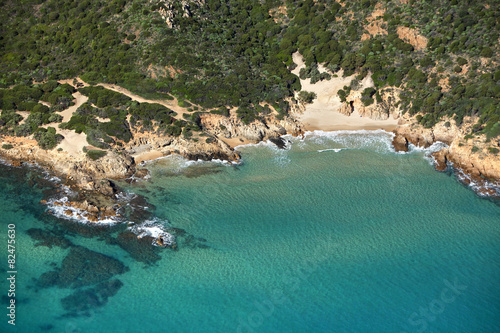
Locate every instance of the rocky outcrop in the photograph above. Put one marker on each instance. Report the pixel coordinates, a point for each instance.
(258, 130)
(78, 169)
(199, 148)
(169, 9)
(473, 156)
(411, 36)
(410, 131)
(379, 110)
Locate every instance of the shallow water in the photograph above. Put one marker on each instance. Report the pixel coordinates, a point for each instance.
(337, 233)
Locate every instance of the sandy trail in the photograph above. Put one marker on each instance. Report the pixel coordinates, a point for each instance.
(169, 104)
(323, 113)
(73, 142)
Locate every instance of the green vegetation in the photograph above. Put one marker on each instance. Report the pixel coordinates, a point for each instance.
(9, 146)
(493, 150)
(96, 154)
(47, 138)
(239, 54)
(306, 96)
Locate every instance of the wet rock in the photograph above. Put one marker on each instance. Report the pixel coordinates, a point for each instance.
(441, 160)
(279, 142)
(400, 143)
(141, 173)
(487, 192)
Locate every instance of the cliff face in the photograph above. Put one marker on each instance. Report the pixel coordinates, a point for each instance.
(232, 127)
(166, 145)
(472, 156)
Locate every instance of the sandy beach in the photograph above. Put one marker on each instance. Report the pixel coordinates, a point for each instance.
(147, 156)
(323, 113)
(234, 142)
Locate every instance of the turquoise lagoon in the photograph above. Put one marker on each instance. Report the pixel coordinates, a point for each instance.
(336, 233)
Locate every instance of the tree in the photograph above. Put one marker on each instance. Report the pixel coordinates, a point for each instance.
(306, 96)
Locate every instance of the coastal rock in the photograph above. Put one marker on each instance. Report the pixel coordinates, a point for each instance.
(258, 130)
(400, 143)
(471, 155)
(441, 159)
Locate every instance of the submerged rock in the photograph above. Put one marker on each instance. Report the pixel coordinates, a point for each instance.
(139, 249)
(49, 238)
(83, 301)
(82, 267)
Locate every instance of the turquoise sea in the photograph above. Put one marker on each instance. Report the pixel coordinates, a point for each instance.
(336, 233)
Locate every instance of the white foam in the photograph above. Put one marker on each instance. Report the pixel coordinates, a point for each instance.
(266, 143)
(376, 140)
(435, 147)
(474, 185)
(60, 209)
(331, 149)
(347, 132)
(153, 228)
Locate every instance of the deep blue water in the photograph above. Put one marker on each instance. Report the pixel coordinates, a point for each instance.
(335, 234)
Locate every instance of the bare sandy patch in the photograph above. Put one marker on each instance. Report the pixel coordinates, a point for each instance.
(147, 156)
(238, 141)
(323, 113)
(374, 26)
(79, 100)
(73, 142)
(23, 114)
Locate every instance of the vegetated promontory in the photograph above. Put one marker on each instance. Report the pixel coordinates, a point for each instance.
(204, 71)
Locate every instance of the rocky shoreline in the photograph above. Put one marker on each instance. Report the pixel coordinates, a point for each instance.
(91, 193)
(474, 164)
(93, 181)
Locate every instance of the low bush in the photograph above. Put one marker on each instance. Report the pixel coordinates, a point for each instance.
(95, 154)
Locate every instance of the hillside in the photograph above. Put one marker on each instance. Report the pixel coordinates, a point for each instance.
(201, 71)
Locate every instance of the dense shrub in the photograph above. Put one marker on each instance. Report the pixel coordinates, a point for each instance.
(47, 138)
(95, 154)
(306, 97)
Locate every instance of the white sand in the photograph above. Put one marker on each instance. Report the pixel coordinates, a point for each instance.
(68, 113)
(73, 142)
(234, 142)
(147, 156)
(323, 113)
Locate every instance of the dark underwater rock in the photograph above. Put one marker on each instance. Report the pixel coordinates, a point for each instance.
(82, 267)
(82, 301)
(140, 249)
(48, 238)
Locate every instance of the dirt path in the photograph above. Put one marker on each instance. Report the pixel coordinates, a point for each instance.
(73, 142)
(169, 104)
